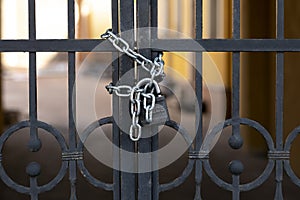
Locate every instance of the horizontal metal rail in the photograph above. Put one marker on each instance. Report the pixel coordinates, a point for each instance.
(175, 45)
(228, 45)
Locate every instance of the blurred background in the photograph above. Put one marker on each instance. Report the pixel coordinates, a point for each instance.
(93, 17)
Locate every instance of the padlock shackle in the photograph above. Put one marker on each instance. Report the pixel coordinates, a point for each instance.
(146, 81)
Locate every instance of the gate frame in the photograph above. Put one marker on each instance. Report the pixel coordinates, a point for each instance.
(126, 185)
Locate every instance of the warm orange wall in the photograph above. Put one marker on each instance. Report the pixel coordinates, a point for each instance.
(258, 70)
(178, 15)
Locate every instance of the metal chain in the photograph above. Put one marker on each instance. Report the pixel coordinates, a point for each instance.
(135, 93)
(135, 109)
(155, 68)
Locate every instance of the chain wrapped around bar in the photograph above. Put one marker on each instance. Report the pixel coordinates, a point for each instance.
(155, 69)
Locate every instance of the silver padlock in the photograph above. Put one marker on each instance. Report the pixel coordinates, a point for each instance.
(155, 109)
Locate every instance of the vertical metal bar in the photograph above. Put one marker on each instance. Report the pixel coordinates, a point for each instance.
(198, 88)
(33, 188)
(236, 188)
(32, 21)
(126, 22)
(279, 97)
(236, 141)
(236, 89)
(280, 20)
(115, 108)
(34, 144)
(145, 179)
(155, 173)
(236, 19)
(154, 18)
(236, 64)
(279, 121)
(155, 138)
(72, 98)
(144, 144)
(279, 76)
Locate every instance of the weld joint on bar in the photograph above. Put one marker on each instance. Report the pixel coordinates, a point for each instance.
(198, 155)
(67, 156)
(279, 155)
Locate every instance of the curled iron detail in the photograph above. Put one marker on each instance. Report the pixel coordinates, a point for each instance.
(210, 138)
(84, 171)
(64, 165)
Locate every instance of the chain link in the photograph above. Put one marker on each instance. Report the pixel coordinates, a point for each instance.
(149, 106)
(135, 99)
(132, 132)
(148, 114)
(151, 102)
(121, 91)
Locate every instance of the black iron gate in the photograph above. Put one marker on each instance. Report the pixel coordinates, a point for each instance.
(146, 185)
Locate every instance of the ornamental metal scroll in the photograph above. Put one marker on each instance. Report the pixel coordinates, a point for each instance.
(33, 168)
